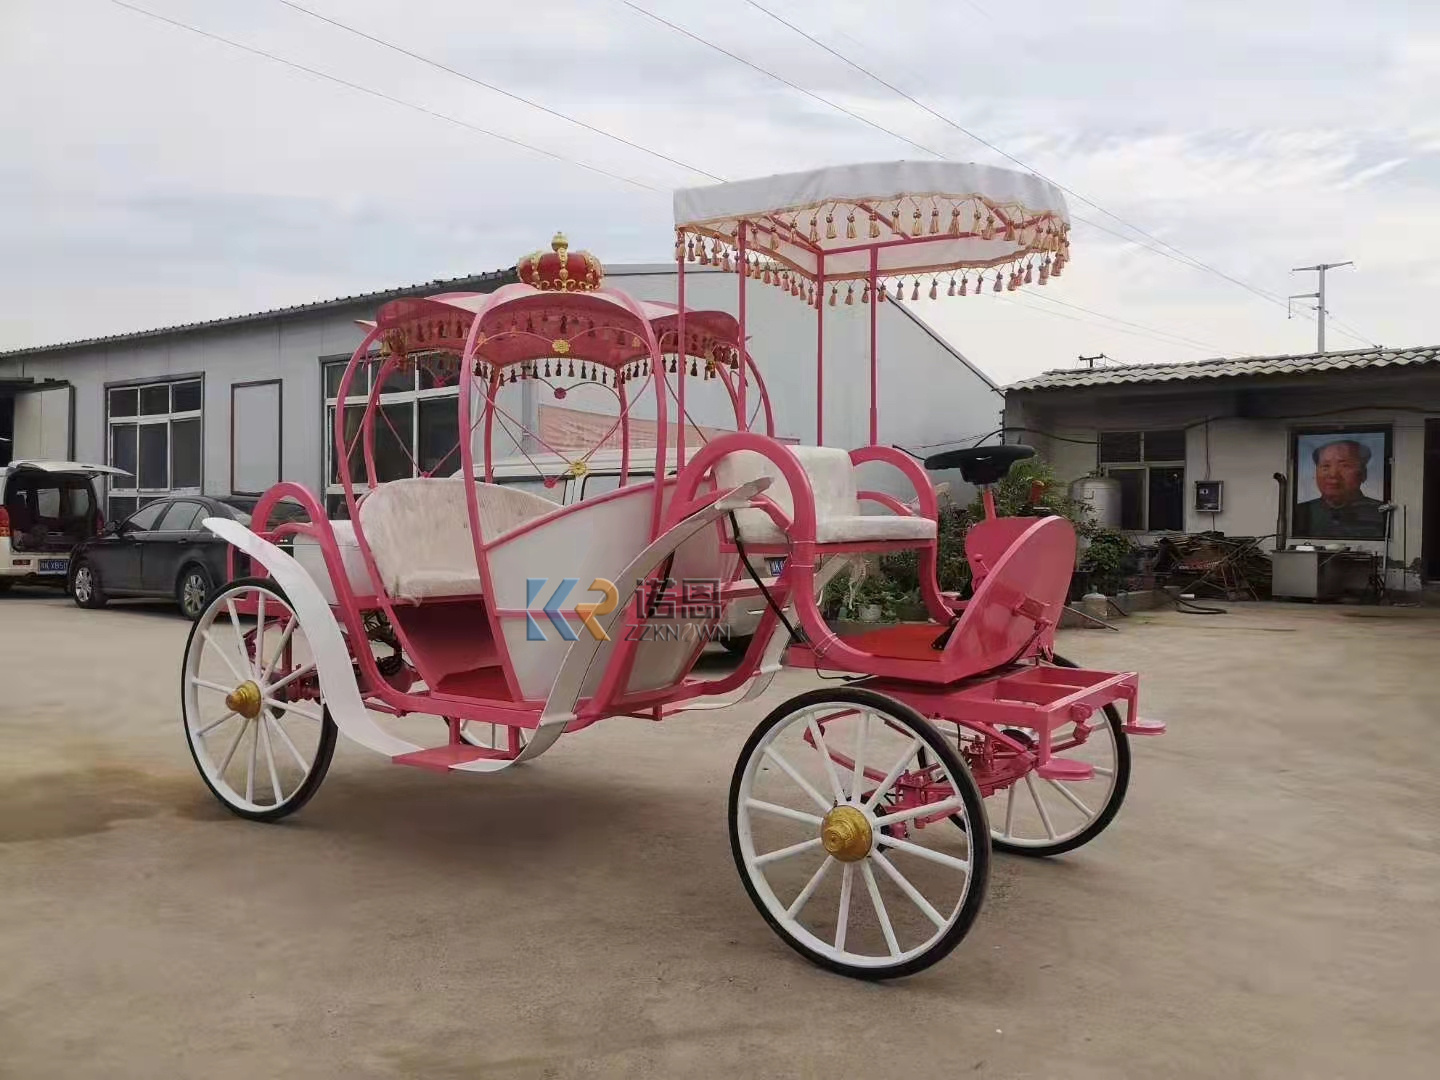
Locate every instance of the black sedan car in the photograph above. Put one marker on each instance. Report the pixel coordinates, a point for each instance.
(163, 550)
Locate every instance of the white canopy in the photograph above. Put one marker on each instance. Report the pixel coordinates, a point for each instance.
(918, 217)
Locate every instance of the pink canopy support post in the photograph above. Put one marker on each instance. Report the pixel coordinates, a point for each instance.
(874, 338)
(820, 354)
(744, 267)
(680, 389)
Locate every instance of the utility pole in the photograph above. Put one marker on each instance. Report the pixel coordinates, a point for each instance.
(1318, 296)
(1089, 361)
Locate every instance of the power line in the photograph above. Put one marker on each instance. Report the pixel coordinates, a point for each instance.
(379, 94)
(1040, 295)
(1016, 300)
(778, 78)
(1003, 153)
(497, 89)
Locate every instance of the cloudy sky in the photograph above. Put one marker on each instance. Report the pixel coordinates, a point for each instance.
(152, 176)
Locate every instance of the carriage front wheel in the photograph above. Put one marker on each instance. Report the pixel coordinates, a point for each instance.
(1039, 817)
(254, 718)
(838, 812)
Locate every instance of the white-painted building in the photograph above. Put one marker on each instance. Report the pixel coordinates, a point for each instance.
(1179, 437)
(235, 404)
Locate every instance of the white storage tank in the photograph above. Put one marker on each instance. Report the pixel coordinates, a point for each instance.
(1102, 494)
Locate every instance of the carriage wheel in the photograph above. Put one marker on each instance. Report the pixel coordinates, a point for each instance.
(256, 725)
(812, 803)
(1039, 817)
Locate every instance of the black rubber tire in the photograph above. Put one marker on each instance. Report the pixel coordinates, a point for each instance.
(97, 599)
(1117, 793)
(974, 804)
(736, 646)
(324, 751)
(200, 574)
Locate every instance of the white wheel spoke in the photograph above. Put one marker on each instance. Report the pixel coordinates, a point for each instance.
(894, 774)
(1101, 770)
(1040, 805)
(1009, 811)
(787, 852)
(263, 731)
(880, 912)
(859, 775)
(909, 890)
(944, 806)
(280, 648)
(214, 724)
(830, 771)
(240, 637)
(842, 921)
(925, 853)
(1071, 798)
(298, 710)
(259, 632)
(285, 738)
(208, 685)
(250, 769)
(299, 672)
(805, 785)
(784, 811)
(230, 753)
(808, 891)
(224, 655)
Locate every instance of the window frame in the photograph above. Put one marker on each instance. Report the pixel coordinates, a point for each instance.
(335, 491)
(1144, 465)
(122, 487)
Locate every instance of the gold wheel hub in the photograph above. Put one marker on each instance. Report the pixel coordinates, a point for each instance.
(845, 833)
(245, 700)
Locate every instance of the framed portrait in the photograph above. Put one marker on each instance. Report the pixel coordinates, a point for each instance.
(1340, 479)
(1208, 496)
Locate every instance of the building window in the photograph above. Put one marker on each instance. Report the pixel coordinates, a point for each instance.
(155, 435)
(1150, 466)
(417, 430)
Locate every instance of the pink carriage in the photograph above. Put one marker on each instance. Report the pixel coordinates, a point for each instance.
(436, 624)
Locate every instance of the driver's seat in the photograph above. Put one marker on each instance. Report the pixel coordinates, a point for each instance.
(981, 465)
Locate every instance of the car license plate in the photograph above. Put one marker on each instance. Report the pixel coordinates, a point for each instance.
(54, 566)
(776, 565)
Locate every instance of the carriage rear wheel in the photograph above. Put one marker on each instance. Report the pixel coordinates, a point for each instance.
(816, 794)
(254, 718)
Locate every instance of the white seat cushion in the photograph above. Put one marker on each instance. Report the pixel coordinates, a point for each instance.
(838, 518)
(419, 532)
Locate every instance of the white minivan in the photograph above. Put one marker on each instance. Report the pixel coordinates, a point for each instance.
(602, 474)
(46, 508)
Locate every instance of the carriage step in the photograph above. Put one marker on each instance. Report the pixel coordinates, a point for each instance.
(1065, 769)
(444, 758)
(1145, 726)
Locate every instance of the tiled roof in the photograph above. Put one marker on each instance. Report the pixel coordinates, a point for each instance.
(1241, 367)
(472, 283)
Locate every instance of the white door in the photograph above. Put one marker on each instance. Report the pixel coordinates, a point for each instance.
(254, 436)
(42, 425)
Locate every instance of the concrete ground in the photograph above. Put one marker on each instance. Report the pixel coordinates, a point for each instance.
(1265, 905)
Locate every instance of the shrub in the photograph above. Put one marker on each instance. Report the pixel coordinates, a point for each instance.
(892, 581)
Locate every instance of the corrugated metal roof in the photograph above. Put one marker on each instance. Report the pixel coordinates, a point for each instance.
(472, 283)
(1228, 368)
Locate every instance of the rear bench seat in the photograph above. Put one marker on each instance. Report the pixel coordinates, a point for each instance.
(419, 532)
